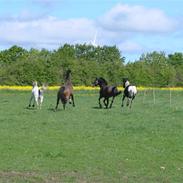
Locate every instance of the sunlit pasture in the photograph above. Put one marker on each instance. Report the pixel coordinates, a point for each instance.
(88, 144)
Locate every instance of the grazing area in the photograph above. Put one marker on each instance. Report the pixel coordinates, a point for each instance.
(88, 144)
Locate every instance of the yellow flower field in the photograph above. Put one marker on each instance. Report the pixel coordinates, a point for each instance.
(26, 88)
(140, 88)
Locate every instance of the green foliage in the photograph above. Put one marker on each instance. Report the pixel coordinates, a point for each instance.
(20, 67)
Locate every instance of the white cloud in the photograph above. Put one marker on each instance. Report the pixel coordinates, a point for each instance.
(119, 26)
(123, 17)
(130, 47)
(48, 30)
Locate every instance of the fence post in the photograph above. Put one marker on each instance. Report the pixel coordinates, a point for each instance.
(170, 94)
(143, 101)
(154, 97)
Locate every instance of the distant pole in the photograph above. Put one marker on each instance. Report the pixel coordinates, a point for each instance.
(144, 97)
(154, 97)
(170, 97)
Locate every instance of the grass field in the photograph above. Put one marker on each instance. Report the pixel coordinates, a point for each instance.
(88, 144)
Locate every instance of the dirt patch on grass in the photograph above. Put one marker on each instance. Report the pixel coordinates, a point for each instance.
(13, 177)
(34, 177)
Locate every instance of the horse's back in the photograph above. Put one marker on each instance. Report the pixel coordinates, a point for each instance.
(109, 91)
(133, 89)
(130, 91)
(65, 92)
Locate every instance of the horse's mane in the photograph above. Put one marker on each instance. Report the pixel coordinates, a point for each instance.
(103, 80)
(125, 79)
(124, 82)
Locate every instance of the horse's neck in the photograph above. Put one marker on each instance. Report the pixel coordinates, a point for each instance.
(102, 85)
(127, 83)
(68, 82)
(35, 87)
(68, 77)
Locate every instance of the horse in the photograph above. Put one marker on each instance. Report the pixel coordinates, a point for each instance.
(37, 95)
(34, 94)
(129, 92)
(65, 93)
(106, 92)
(41, 95)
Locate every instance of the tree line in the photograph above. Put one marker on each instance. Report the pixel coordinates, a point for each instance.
(19, 66)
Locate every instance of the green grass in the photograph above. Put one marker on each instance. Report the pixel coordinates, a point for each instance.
(88, 144)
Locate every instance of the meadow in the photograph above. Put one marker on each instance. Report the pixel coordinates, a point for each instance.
(88, 144)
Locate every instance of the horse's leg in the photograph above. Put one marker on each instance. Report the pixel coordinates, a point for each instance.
(70, 100)
(100, 105)
(64, 105)
(104, 101)
(123, 101)
(30, 101)
(72, 97)
(37, 102)
(128, 102)
(57, 102)
(112, 101)
(107, 102)
(40, 101)
(34, 101)
(132, 101)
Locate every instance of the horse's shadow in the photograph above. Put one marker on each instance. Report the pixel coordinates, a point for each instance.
(55, 110)
(30, 108)
(97, 107)
(52, 109)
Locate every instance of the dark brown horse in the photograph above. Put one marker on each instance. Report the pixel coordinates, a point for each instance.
(65, 93)
(106, 91)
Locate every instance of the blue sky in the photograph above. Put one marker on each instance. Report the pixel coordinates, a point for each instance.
(134, 26)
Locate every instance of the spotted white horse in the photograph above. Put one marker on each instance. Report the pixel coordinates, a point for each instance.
(130, 92)
(37, 95)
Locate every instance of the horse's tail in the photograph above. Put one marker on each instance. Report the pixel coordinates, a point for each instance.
(61, 95)
(116, 92)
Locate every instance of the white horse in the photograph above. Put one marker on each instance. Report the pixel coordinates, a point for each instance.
(129, 92)
(37, 95)
(41, 96)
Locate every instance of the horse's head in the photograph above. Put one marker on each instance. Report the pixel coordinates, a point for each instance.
(68, 71)
(95, 83)
(125, 82)
(44, 87)
(99, 82)
(34, 83)
(67, 75)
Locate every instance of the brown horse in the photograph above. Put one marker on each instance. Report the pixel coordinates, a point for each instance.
(106, 91)
(65, 93)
